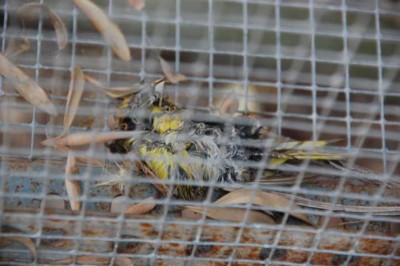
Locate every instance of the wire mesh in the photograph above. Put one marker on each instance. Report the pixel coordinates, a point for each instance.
(310, 70)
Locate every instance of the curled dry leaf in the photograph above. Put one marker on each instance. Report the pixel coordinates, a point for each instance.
(26, 242)
(262, 198)
(58, 23)
(73, 187)
(119, 92)
(86, 138)
(229, 105)
(172, 76)
(75, 92)
(93, 81)
(26, 87)
(138, 5)
(139, 208)
(110, 31)
(232, 214)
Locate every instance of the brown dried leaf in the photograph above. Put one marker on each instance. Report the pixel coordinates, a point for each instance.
(26, 87)
(93, 81)
(139, 208)
(172, 76)
(58, 23)
(138, 5)
(119, 92)
(229, 105)
(262, 198)
(189, 214)
(86, 138)
(110, 31)
(76, 87)
(26, 242)
(73, 187)
(232, 214)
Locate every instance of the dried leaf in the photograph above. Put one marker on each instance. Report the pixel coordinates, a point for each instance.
(26, 242)
(229, 106)
(139, 208)
(73, 187)
(138, 5)
(75, 92)
(58, 23)
(93, 81)
(26, 87)
(110, 31)
(86, 138)
(74, 191)
(232, 214)
(172, 76)
(262, 198)
(189, 214)
(119, 92)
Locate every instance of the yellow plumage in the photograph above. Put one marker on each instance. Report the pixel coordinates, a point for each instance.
(187, 150)
(167, 123)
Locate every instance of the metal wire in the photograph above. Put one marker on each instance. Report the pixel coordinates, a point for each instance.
(315, 69)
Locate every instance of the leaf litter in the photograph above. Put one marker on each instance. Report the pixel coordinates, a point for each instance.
(26, 86)
(110, 31)
(56, 21)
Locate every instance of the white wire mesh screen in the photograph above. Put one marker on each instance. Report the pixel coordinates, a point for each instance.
(307, 70)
